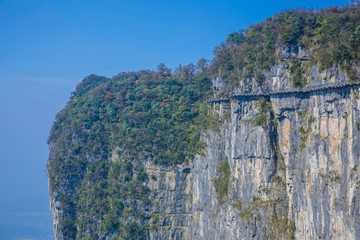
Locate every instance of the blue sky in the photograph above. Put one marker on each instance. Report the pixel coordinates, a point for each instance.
(47, 47)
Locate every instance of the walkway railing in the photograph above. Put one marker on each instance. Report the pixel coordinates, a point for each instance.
(286, 91)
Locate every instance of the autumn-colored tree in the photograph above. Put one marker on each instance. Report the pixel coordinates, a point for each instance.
(163, 71)
(202, 65)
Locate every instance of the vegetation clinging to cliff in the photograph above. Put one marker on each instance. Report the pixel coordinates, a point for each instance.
(221, 182)
(105, 133)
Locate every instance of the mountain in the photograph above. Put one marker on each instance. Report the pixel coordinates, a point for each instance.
(264, 143)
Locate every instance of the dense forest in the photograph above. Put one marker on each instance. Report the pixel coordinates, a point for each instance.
(330, 36)
(111, 126)
(106, 132)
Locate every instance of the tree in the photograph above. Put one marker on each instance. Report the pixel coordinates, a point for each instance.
(202, 65)
(163, 71)
(235, 38)
(189, 70)
(185, 72)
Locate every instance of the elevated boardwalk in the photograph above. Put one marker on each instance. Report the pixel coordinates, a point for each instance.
(285, 92)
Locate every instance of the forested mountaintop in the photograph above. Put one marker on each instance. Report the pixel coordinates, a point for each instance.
(328, 37)
(102, 138)
(118, 138)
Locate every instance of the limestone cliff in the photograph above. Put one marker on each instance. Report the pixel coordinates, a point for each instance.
(231, 152)
(296, 177)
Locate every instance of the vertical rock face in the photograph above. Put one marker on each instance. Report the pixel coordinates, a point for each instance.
(295, 176)
(318, 140)
(298, 177)
(294, 172)
(172, 197)
(253, 201)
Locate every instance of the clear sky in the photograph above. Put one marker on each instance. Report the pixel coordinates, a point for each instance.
(47, 47)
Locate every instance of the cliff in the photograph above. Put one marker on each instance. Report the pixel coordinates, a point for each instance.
(295, 174)
(262, 146)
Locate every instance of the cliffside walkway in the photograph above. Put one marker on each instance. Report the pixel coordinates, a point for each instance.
(286, 91)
